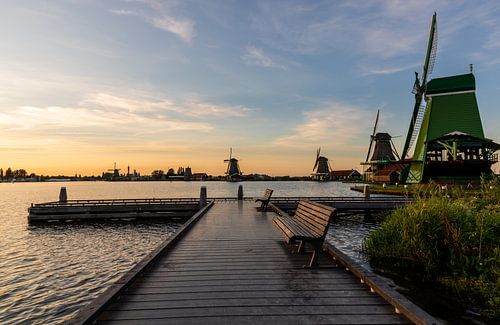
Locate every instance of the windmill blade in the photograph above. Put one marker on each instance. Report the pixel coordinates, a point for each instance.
(414, 116)
(372, 137)
(317, 158)
(369, 149)
(419, 88)
(430, 54)
(394, 151)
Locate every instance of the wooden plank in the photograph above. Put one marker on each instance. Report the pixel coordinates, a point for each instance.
(268, 319)
(247, 302)
(258, 311)
(359, 293)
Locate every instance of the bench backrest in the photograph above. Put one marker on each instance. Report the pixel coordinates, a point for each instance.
(314, 216)
(268, 193)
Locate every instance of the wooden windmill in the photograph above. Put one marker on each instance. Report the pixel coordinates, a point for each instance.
(445, 130)
(381, 165)
(321, 168)
(233, 171)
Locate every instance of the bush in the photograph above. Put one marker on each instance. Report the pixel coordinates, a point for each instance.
(454, 242)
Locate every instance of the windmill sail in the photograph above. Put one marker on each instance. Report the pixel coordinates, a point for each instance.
(420, 87)
(372, 137)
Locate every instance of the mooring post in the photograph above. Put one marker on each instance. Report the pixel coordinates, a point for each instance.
(203, 196)
(63, 195)
(240, 193)
(366, 191)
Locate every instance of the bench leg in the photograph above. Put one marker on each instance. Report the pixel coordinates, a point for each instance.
(264, 206)
(313, 263)
(301, 248)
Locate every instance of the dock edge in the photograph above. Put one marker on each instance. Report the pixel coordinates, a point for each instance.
(88, 314)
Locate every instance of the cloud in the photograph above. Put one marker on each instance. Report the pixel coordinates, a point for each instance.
(367, 71)
(102, 121)
(255, 56)
(335, 123)
(159, 107)
(160, 15)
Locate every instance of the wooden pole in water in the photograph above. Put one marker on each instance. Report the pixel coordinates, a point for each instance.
(203, 196)
(366, 192)
(240, 192)
(63, 195)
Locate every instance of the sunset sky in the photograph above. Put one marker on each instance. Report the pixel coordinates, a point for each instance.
(159, 84)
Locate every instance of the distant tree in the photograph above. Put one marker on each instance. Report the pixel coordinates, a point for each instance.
(157, 174)
(171, 172)
(1, 173)
(180, 171)
(20, 173)
(8, 173)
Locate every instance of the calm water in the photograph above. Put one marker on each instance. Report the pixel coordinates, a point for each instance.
(48, 272)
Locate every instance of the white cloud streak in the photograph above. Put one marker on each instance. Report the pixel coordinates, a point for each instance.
(159, 107)
(160, 15)
(255, 56)
(335, 123)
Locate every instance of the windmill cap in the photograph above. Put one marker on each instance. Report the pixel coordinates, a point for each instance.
(461, 82)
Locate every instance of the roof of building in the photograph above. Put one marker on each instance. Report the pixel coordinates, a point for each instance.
(461, 82)
(344, 172)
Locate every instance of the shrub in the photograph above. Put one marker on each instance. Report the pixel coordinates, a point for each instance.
(450, 241)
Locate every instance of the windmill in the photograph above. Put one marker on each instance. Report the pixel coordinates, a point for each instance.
(116, 171)
(321, 167)
(233, 169)
(445, 130)
(383, 156)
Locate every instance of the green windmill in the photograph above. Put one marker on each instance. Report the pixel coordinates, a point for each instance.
(445, 131)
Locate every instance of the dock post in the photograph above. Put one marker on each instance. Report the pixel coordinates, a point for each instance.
(63, 195)
(366, 191)
(240, 193)
(203, 196)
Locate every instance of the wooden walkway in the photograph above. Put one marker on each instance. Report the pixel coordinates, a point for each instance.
(232, 267)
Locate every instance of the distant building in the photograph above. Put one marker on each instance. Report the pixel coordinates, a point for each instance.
(199, 177)
(347, 174)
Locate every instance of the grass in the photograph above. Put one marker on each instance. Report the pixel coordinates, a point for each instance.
(448, 239)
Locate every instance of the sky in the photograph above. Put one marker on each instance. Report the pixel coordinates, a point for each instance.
(156, 84)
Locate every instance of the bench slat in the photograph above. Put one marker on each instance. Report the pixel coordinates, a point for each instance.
(310, 223)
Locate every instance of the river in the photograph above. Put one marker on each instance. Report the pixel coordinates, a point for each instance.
(48, 272)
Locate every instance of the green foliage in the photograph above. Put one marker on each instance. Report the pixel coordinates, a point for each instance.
(448, 239)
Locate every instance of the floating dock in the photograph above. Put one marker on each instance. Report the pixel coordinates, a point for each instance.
(228, 265)
(113, 209)
(184, 208)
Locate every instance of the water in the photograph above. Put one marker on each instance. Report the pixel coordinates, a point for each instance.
(48, 272)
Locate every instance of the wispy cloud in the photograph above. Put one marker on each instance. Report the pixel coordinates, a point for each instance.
(160, 15)
(256, 56)
(335, 123)
(367, 71)
(159, 107)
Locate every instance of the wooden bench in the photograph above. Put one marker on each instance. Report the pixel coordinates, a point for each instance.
(265, 199)
(309, 224)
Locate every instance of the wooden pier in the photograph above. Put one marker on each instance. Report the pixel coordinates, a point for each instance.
(228, 265)
(183, 208)
(179, 208)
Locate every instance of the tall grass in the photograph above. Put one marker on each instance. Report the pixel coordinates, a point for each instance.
(448, 239)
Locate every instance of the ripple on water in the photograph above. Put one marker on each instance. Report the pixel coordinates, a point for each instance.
(69, 265)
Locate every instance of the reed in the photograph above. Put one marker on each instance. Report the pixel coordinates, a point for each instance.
(449, 239)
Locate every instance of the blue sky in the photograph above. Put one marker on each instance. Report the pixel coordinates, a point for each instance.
(158, 84)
